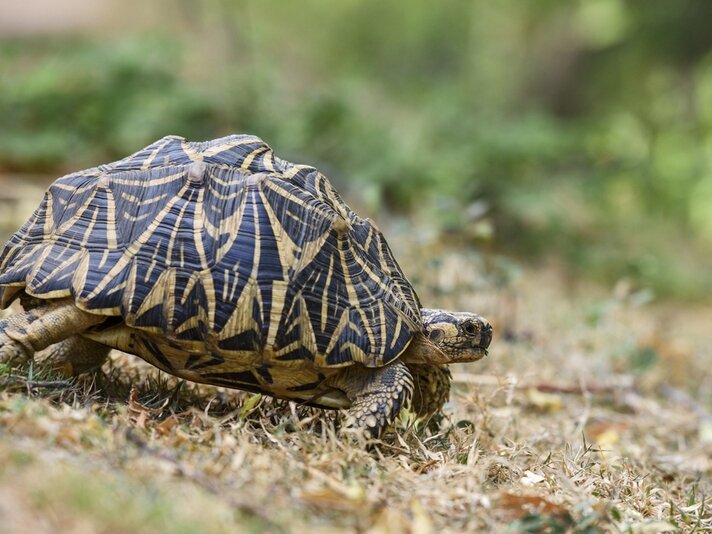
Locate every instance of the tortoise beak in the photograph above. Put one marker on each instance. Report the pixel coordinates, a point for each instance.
(485, 335)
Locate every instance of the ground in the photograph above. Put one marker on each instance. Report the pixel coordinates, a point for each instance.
(591, 413)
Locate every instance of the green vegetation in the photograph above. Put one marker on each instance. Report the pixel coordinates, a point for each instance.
(581, 129)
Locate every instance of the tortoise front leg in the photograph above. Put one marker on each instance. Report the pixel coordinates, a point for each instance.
(376, 395)
(431, 390)
(23, 334)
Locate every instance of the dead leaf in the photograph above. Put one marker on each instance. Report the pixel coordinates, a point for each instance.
(546, 402)
(517, 506)
(140, 414)
(326, 498)
(166, 426)
(324, 491)
(605, 434)
(424, 467)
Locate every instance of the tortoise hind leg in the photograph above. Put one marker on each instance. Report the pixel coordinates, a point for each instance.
(76, 355)
(23, 334)
(377, 395)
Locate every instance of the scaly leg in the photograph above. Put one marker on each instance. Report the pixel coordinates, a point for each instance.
(431, 390)
(23, 334)
(377, 395)
(76, 355)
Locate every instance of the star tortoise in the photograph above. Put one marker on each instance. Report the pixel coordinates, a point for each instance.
(220, 263)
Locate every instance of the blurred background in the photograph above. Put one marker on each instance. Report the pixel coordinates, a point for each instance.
(573, 133)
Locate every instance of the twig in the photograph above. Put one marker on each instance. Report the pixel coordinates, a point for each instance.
(56, 384)
(574, 390)
(544, 387)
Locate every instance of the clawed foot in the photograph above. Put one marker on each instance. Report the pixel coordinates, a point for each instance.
(378, 395)
(11, 351)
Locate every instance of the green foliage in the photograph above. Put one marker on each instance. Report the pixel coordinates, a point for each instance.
(584, 127)
(77, 102)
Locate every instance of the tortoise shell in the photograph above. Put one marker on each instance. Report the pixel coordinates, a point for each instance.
(219, 247)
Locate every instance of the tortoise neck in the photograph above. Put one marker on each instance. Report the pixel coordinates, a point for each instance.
(422, 350)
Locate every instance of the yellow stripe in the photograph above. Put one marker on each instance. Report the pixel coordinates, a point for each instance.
(90, 228)
(382, 321)
(156, 296)
(252, 155)
(348, 281)
(235, 283)
(268, 161)
(286, 248)
(133, 219)
(258, 251)
(193, 154)
(325, 296)
(77, 214)
(396, 333)
(38, 265)
(75, 190)
(49, 214)
(294, 169)
(241, 319)
(227, 146)
(169, 296)
(140, 200)
(152, 183)
(111, 238)
(147, 162)
(225, 275)
(173, 240)
(212, 179)
(198, 220)
(104, 257)
(306, 330)
(370, 272)
(149, 271)
(79, 280)
(343, 322)
(279, 296)
(131, 251)
(367, 325)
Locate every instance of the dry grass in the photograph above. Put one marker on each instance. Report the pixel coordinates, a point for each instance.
(591, 414)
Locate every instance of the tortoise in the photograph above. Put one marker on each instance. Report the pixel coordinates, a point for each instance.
(220, 263)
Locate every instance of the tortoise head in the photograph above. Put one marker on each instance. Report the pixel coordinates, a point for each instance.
(460, 336)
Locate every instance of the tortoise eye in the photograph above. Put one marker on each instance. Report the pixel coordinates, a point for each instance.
(470, 328)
